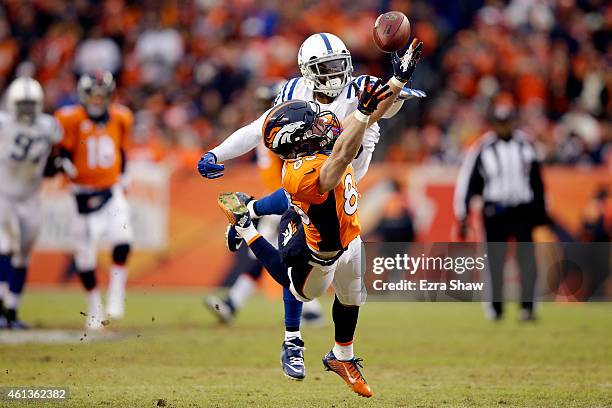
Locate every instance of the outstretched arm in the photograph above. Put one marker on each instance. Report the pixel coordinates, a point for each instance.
(238, 143)
(348, 144)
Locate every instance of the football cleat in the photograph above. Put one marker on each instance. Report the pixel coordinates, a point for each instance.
(220, 309)
(493, 311)
(17, 325)
(526, 314)
(350, 372)
(292, 359)
(235, 209)
(3, 322)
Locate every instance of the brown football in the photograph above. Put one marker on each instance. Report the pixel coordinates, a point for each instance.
(391, 31)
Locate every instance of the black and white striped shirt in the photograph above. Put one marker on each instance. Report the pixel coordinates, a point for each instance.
(504, 172)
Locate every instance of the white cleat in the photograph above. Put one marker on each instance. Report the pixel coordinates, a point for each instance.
(94, 324)
(115, 306)
(220, 309)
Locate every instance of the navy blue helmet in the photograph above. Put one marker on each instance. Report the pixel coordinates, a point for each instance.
(298, 128)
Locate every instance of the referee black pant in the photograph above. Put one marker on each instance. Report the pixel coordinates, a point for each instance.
(501, 224)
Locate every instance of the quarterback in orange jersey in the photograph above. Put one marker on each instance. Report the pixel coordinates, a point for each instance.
(96, 134)
(320, 246)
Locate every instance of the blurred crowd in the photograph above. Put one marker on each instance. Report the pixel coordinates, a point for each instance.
(189, 68)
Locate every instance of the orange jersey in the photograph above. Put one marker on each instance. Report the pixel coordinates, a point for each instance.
(96, 148)
(331, 219)
(270, 168)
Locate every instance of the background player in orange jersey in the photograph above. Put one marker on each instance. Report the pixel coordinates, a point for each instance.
(324, 248)
(96, 134)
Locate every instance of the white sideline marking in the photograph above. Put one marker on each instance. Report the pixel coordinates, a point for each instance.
(47, 336)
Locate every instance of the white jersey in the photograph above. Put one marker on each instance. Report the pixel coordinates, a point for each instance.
(24, 151)
(249, 136)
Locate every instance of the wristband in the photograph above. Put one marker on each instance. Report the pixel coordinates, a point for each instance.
(394, 81)
(361, 117)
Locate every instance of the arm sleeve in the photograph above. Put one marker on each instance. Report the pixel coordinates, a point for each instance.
(537, 186)
(66, 143)
(241, 141)
(469, 183)
(128, 125)
(361, 163)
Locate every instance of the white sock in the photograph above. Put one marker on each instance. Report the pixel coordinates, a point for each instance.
(11, 300)
(249, 234)
(117, 280)
(241, 290)
(94, 304)
(292, 335)
(251, 207)
(343, 353)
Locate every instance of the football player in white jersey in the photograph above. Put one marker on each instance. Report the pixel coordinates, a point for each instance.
(326, 67)
(26, 139)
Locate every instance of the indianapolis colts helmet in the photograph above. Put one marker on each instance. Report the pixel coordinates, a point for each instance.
(325, 63)
(24, 99)
(298, 128)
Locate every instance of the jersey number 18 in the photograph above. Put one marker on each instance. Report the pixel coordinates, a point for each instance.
(100, 152)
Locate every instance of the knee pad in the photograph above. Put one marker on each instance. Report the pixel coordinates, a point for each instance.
(121, 253)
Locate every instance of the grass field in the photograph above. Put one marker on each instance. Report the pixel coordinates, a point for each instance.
(416, 355)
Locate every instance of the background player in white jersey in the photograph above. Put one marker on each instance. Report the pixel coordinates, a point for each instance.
(26, 139)
(326, 67)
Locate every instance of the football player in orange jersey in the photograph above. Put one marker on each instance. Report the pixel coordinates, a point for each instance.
(96, 134)
(324, 248)
(270, 169)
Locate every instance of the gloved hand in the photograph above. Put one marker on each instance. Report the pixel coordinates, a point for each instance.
(404, 67)
(371, 96)
(208, 167)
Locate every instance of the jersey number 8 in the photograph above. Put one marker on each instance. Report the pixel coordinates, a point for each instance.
(100, 152)
(350, 195)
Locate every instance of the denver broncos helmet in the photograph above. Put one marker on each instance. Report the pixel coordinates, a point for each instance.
(298, 128)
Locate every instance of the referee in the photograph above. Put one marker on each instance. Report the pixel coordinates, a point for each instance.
(504, 170)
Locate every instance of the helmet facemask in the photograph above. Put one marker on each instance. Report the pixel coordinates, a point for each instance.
(95, 94)
(25, 111)
(328, 75)
(316, 132)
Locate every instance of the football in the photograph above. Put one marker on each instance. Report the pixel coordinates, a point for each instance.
(391, 31)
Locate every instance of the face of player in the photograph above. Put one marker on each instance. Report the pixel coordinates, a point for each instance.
(328, 127)
(26, 112)
(97, 103)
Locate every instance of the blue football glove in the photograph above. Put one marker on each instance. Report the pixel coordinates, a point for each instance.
(404, 67)
(208, 167)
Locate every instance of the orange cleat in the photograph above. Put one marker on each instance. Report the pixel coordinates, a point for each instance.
(350, 372)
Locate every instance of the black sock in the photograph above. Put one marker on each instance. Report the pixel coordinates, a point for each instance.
(230, 304)
(270, 258)
(345, 321)
(11, 315)
(498, 307)
(88, 279)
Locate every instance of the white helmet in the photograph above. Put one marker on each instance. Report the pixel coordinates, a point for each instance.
(24, 99)
(325, 63)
